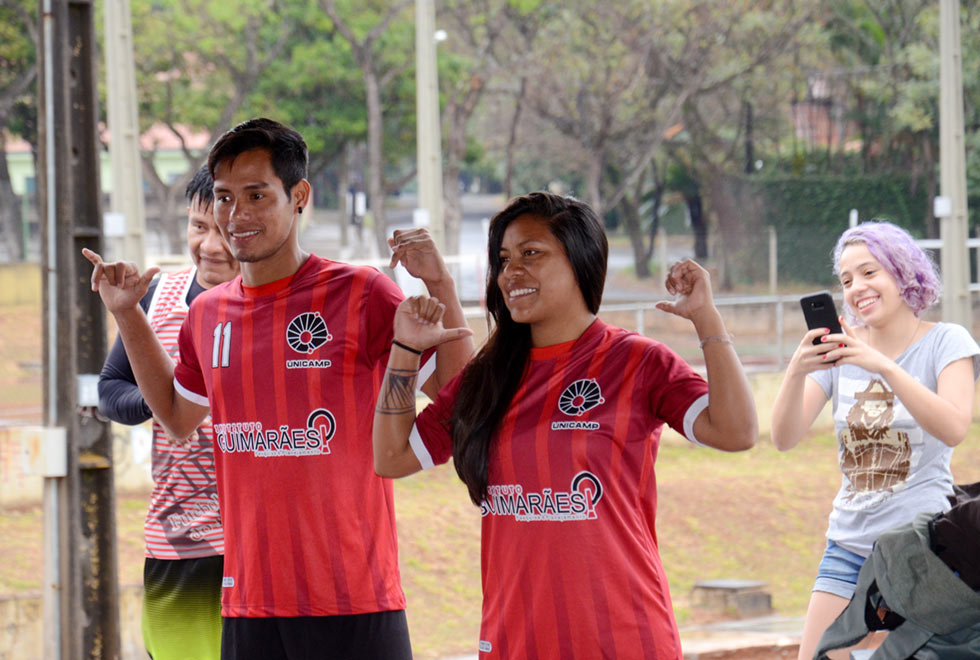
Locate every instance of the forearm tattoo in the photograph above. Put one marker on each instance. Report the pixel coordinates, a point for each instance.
(398, 392)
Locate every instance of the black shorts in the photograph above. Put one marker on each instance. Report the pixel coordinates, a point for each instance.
(376, 636)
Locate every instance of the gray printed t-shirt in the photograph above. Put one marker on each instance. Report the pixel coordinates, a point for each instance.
(892, 468)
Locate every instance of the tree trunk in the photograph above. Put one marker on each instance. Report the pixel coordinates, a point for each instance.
(173, 220)
(343, 189)
(452, 211)
(512, 140)
(749, 145)
(698, 225)
(630, 208)
(11, 221)
(593, 179)
(375, 126)
(929, 176)
(658, 195)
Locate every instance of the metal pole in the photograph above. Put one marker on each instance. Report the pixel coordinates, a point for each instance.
(52, 594)
(428, 132)
(773, 261)
(662, 254)
(780, 332)
(124, 134)
(953, 226)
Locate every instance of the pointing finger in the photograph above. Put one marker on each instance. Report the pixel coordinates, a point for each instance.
(456, 333)
(148, 276)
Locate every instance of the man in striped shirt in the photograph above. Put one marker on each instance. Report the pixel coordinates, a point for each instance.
(182, 572)
(289, 358)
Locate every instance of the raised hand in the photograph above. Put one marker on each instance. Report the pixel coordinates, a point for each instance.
(692, 285)
(119, 283)
(416, 251)
(418, 323)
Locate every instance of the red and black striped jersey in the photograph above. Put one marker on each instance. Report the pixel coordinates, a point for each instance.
(182, 521)
(291, 371)
(570, 562)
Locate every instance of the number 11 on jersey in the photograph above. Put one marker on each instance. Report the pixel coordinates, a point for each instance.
(221, 345)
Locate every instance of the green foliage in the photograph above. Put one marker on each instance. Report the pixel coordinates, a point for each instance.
(809, 213)
(197, 61)
(18, 54)
(315, 87)
(16, 48)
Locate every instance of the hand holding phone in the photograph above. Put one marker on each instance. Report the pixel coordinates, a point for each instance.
(820, 312)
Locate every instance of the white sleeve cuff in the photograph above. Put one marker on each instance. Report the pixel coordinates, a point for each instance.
(692, 413)
(193, 397)
(421, 453)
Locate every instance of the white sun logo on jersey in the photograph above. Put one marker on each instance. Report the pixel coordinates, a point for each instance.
(580, 396)
(307, 332)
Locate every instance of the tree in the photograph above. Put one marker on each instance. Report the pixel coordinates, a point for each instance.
(18, 74)
(887, 55)
(376, 32)
(317, 89)
(486, 38)
(621, 75)
(198, 63)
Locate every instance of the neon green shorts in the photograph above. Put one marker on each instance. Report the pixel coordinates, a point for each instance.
(181, 616)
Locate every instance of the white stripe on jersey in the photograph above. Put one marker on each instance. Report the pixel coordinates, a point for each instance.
(425, 371)
(191, 396)
(692, 414)
(421, 453)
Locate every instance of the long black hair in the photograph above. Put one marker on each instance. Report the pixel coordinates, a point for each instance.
(491, 380)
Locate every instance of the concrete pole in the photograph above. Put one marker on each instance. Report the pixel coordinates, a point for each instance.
(126, 201)
(80, 569)
(662, 255)
(428, 133)
(952, 157)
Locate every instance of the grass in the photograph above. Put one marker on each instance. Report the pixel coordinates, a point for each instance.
(755, 515)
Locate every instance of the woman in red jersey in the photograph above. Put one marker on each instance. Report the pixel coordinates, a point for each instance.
(554, 427)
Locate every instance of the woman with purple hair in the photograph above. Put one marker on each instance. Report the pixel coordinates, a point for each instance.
(902, 391)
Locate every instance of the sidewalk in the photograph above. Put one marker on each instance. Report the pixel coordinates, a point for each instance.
(713, 640)
(768, 637)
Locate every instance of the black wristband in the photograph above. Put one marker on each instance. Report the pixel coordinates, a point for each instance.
(397, 343)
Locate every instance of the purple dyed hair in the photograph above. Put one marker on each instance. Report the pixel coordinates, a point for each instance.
(911, 268)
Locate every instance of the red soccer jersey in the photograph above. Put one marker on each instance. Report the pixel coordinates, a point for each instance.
(569, 552)
(291, 371)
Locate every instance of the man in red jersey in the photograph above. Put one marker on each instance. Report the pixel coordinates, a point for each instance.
(289, 358)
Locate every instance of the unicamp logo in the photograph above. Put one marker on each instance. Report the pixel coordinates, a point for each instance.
(307, 332)
(580, 396)
(577, 399)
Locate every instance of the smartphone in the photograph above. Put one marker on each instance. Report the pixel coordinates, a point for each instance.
(819, 312)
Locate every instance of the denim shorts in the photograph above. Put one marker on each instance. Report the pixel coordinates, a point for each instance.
(838, 571)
